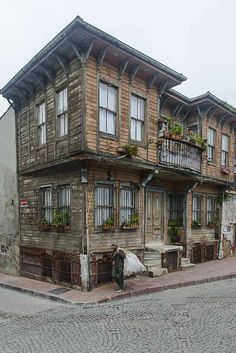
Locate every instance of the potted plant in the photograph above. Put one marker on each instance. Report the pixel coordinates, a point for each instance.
(133, 222)
(108, 224)
(44, 225)
(196, 223)
(176, 130)
(202, 142)
(61, 220)
(174, 231)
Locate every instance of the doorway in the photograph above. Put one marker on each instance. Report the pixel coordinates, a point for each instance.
(154, 216)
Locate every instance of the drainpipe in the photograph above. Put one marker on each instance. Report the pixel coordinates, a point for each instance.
(84, 257)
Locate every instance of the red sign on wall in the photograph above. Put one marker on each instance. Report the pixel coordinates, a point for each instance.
(24, 203)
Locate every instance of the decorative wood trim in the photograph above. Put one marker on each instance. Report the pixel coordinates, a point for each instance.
(100, 57)
(133, 72)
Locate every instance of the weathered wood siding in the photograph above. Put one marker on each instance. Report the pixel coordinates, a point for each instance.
(69, 241)
(106, 144)
(30, 153)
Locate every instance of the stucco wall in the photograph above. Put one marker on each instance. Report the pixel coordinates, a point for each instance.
(9, 237)
(228, 221)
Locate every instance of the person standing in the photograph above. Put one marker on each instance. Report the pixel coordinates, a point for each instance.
(118, 257)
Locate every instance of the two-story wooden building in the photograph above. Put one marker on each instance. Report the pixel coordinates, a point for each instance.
(96, 162)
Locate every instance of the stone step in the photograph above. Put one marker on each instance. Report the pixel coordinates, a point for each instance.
(152, 261)
(185, 260)
(151, 256)
(153, 265)
(157, 272)
(187, 266)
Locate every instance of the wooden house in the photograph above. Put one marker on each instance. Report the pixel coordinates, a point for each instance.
(96, 165)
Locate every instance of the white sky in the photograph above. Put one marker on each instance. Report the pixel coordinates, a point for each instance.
(194, 37)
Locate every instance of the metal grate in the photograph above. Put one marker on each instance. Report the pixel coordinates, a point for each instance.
(171, 261)
(47, 266)
(65, 269)
(209, 253)
(197, 254)
(104, 270)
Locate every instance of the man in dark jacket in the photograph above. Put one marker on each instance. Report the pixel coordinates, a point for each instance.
(118, 256)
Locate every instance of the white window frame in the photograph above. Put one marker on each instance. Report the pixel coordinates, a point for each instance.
(127, 203)
(211, 209)
(225, 151)
(197, 208)
(64, 201)
(137, 118)
(41, 123)
(46, 208)
(211, 144)
(104, 203)
(107, 108)
(62, 112)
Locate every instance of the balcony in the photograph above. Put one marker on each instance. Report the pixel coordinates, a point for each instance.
(180, 153)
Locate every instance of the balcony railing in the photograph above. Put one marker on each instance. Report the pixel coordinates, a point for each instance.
(180, 153)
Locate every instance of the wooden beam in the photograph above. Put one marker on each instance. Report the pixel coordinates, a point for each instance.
(31, 85)
(221, 120)
(150, 82)
(63, 63)
(48, 73)
(78, 53)
(133, 72)
(38, 78)
(101, 56)
(122, 67)
(186, 115)
(86, 52)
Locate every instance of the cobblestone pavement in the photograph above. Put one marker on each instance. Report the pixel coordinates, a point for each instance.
(199, 319)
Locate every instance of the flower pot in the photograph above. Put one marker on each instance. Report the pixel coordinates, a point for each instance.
(44, 227)
(108, 226)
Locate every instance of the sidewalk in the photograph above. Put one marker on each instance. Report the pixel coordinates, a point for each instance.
(201, 273)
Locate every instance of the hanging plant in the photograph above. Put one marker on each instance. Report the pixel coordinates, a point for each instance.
(129, 150)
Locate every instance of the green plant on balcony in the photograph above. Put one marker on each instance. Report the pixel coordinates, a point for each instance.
(61, 219)
(44, 225)
(202, 142)
(128, 150)
(176, 129)
(133, 222)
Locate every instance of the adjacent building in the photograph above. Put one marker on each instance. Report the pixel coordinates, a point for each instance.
(108, 153)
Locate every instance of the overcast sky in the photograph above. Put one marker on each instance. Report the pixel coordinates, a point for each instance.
(194, 37)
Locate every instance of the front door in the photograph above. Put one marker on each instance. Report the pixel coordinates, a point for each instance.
(154, 216)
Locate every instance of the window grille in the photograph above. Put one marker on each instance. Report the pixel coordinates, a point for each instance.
(197, 201)
(46, 204)
(127, 203)
(176, 208)
(104, 203)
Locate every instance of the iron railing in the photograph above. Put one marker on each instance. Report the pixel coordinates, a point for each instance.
(181, 154)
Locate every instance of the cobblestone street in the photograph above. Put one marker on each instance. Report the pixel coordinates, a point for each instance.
(193, 319)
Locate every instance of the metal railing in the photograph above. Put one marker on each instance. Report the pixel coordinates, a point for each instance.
(180, 153)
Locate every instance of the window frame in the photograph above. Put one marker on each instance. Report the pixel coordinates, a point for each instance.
(211, 212)
(63, 114)
(100, 219)
(41, 126)
(132, 206)
(44, 207)
(136, 119)
(211, 148)
(106, 108)
(225, 153)
(178, 212)
(197, 212)
(65, 208)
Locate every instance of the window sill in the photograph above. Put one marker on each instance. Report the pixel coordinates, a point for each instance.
(41, 147)
(108, 136)
(62, 138)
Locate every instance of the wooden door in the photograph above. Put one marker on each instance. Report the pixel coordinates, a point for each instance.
(154, 216)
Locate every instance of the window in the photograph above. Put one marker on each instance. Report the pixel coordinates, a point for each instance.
(127, 203)
(137, 118)
(197, 201)
(176, 208)
(64, 203)
(62, 116)
(211, 145)
(41, 123)
(193, 129)
(211, 209)
(225, 151)
(104, 203)
(46, 204)
(107, 108)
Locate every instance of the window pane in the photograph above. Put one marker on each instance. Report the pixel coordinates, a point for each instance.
(103, 95)
(211, 137)
(133, 129)
(225, 143)
(62, 101)
(140, 109)
(102, 120)
(112, 98)
(139, 134)
(110, 123)
(134, 107)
